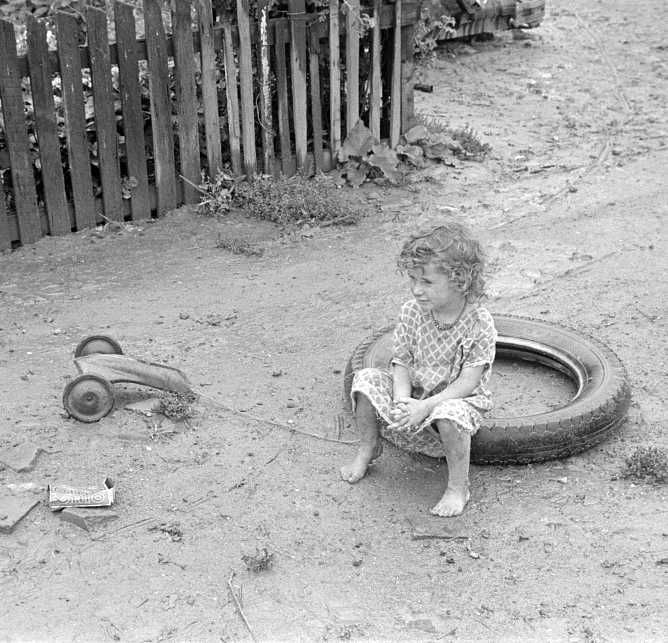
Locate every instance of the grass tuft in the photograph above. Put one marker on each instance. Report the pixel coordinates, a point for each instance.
(647, 463)
(261, 561)
(295, 200)
(177, 406)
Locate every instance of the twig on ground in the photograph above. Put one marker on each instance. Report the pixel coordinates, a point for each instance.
(273, 457)
(191, 184)
(422, 536)
(238, 606)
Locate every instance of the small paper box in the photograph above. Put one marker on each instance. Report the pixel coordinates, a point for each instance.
(61, 496)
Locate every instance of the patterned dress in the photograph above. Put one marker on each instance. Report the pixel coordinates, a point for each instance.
(434, 359)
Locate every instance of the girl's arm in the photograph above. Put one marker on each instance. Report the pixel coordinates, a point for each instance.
(401, 386)
(463, 386)
(413, 411)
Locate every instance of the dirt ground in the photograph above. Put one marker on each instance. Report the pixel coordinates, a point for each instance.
(570, 203)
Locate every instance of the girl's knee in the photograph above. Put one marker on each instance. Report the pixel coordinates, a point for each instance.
(449, 430)
(446, 427)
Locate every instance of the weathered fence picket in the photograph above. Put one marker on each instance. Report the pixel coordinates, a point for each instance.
(281, 38)
(115, 163)
(81, 184)
(297, 15)
(105, 116)
(316, 105)
(133, 120)
(186, 100)
(395, 98)
(232, 96)
(334, 79)
(263, 41)
(5, 237)
(161, 108)
(16, 139)
(53, 182)
(208, 72)
(247, 104)
(376, 81)
(352, 63)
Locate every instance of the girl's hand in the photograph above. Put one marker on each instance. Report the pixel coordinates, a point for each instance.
(409, 412)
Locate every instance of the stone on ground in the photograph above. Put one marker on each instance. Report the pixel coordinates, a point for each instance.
(13, 508)
(21, 458)
(87, 518)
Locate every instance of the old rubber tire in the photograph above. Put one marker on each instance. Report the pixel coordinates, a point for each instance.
(88, 398)
(599, 406)
(98, 344)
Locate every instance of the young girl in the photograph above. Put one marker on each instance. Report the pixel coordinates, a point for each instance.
(432, 398)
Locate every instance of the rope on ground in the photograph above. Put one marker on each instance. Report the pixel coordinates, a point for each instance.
(274, 423)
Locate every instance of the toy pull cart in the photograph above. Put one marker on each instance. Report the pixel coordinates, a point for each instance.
(101, 363)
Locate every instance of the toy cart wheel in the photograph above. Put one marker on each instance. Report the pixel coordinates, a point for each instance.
(98, 344)
(88, 398)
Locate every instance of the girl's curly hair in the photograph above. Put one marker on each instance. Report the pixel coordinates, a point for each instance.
(453, 251)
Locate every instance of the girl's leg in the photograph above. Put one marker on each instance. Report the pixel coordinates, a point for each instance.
(457, 445)
(370, 447)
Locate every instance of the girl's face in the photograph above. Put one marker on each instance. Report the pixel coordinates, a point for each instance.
(434, 291)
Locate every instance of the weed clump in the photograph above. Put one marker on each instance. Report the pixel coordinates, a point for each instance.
(647, 463)
(472, 146)
(177, 406)
(294, 199)
(261, 561)
(468, 143)
(282, 200)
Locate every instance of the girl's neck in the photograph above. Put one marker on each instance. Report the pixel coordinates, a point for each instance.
(451, 313)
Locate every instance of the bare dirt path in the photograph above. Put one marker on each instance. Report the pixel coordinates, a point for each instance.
(572, 205)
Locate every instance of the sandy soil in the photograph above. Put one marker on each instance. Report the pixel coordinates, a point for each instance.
(571, 205)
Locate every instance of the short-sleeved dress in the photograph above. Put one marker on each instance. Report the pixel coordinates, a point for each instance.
(434, 359)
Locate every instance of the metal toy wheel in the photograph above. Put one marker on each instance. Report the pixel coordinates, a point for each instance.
(98, 344)
(88, 398)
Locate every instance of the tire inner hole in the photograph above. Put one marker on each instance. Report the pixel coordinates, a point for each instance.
(520, 387)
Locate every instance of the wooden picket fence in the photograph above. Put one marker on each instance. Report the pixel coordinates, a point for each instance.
(272, 116)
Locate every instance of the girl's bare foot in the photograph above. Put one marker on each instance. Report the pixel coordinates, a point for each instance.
(452, 503)
(356, 470)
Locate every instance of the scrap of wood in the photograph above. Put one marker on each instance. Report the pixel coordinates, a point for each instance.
(442, 536)
(237, 603)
